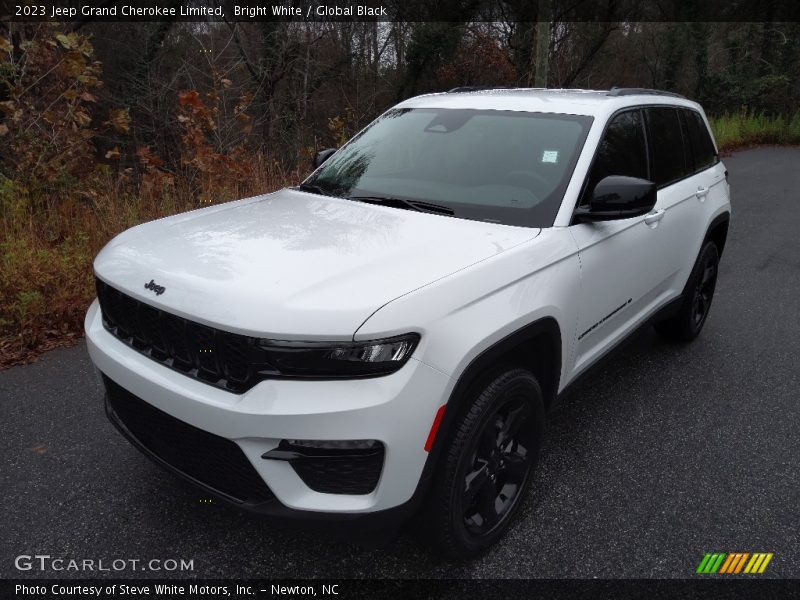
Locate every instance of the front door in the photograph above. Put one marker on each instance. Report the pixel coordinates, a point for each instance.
(624, 269)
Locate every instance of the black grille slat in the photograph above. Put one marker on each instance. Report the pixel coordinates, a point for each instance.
(103, 297)
(205, 351)
(126, 314)
(150, 331)
(112, 302)
(174, 331)
(210, 459)
(213, 356)
(233, 350)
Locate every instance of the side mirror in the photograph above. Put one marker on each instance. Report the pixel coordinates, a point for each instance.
(321, 156)
(618, 197)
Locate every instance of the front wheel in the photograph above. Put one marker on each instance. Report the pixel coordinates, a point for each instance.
(693, 312)
(487, 468)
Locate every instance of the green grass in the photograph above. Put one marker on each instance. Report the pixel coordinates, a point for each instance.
(742, 129)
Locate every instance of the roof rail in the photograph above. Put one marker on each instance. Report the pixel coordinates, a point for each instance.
(620, 91)
(477, 88)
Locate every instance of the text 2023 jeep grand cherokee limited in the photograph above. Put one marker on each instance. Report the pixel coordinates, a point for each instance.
(389, 334)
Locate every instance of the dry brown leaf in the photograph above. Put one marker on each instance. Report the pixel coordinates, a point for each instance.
(120, 119)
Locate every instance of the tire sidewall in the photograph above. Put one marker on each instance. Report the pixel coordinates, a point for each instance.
(681, 327)
(709, 251)
(458, 541)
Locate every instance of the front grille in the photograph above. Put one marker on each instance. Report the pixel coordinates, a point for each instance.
(210, 459)
(226, 360)
(340, 475)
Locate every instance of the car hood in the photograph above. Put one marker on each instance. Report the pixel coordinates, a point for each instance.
(292, 264)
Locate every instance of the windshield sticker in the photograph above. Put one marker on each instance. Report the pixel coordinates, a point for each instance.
(550, 156)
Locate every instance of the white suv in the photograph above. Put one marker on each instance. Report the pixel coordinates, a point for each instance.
(390, 334)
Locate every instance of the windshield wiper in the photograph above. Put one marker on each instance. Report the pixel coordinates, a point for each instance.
(417, 205)
(314, 189)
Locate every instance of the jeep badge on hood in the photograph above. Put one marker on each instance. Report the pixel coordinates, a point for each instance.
(158, 289)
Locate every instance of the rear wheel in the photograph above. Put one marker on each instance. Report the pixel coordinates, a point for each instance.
(487, 468)
(693, 312)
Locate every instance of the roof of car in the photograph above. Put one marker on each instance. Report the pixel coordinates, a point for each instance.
(565, 101)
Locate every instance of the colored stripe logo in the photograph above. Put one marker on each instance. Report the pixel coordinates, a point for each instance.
(734, 563)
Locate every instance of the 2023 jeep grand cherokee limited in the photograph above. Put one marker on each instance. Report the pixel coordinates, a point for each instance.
(390, 334)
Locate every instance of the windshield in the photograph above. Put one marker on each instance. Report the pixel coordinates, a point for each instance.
(498, 166)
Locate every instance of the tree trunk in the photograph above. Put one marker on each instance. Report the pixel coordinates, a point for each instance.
(543, 29)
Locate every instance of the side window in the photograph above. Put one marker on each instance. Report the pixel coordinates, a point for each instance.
(622, 151)
(700, 141)
(669, 160)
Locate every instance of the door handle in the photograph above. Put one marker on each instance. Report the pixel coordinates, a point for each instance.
(655, 217)
(701, 193)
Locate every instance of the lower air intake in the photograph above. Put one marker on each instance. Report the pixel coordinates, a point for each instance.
(211, 460)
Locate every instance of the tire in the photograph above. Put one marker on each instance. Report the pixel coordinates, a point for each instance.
(692, 314)
(486, 467)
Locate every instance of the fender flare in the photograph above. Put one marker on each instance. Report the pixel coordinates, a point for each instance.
(724, 217)
(472, 376)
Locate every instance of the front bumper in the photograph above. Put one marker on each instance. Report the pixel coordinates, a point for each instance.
(396, 410)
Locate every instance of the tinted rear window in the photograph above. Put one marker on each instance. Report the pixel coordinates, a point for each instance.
(703, 153)
(669, 162)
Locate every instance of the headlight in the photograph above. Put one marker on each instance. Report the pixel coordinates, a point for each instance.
(337, 360)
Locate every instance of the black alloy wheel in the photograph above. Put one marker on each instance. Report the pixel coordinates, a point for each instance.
(704, 290)
(487, 466)
(498, 466)
(688, 321)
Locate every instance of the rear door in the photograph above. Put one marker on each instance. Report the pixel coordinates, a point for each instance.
(679, 161)
(708, 181)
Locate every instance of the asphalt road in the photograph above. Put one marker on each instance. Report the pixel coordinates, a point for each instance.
(662, 454)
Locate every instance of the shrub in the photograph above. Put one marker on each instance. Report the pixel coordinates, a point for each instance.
(746, 128)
